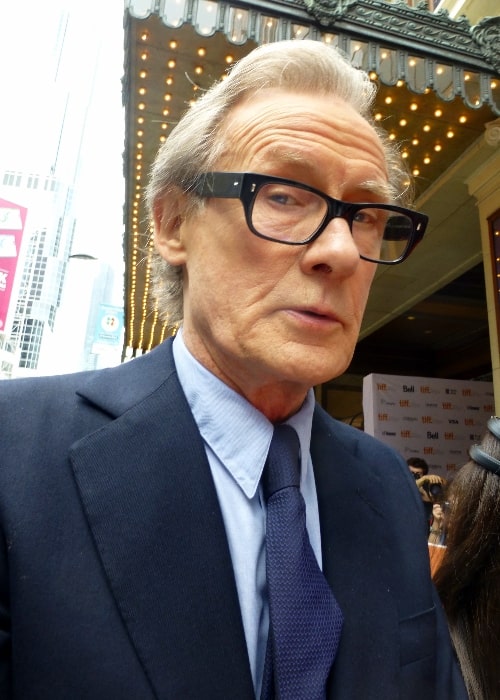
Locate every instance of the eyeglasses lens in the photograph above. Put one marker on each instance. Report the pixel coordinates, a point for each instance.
(291, 214)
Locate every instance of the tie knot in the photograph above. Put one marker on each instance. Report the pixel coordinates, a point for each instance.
(282, 468)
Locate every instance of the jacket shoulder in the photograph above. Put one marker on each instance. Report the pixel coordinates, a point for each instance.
(354, 440)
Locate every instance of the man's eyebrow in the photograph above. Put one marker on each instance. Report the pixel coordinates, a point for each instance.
(380, 189)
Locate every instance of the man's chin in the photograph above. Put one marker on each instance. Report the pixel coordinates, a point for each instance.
(310, 376)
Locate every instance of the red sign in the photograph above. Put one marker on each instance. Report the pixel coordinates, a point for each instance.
(12, 220)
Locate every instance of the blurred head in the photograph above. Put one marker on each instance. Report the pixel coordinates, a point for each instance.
(418, 467)
(474, 498)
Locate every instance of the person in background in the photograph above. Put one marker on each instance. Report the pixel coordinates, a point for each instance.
(432, 489)
(437, 533)
(134, 557)
(419, 468)
(468, 578)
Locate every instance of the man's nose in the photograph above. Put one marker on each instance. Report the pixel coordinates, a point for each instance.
(334, 248)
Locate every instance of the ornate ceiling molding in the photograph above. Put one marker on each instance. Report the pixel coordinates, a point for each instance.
(395, 24)
(486, 34)
(395, 41)
(416, 29)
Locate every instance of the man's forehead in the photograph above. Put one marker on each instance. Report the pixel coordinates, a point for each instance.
(277, 105)
(301, 163)
(282, 128)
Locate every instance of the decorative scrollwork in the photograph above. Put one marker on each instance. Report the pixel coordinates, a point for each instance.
(492, 133)
(327, 12)
(415, 31)
(486, 34)
(415, 28)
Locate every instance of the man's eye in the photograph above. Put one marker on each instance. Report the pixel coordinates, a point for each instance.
(282, 197)
(367, 216)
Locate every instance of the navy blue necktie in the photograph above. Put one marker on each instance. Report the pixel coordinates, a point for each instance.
(305, 618)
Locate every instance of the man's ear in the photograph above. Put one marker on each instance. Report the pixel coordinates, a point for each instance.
(168, 215)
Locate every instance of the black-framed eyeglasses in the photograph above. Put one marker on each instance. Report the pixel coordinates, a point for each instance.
(290, 212)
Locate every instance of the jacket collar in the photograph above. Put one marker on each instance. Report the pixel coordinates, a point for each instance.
(116, 389)
(148, 495)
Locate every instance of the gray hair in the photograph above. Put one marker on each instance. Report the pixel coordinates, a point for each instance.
(194, 145)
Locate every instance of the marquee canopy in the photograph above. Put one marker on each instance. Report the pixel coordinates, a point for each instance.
(439, 94)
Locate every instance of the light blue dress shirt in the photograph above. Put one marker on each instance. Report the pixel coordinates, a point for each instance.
(237, 438)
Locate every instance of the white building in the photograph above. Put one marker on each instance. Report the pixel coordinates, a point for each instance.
(45, 247)
(54, 161)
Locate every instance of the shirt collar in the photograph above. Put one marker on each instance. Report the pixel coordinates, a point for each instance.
(237, 433)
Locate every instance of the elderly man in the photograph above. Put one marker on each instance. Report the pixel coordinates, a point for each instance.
(143, 556)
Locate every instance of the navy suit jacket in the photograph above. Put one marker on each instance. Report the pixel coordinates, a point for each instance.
(115, 574)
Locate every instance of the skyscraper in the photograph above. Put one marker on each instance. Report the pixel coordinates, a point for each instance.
(53, 152)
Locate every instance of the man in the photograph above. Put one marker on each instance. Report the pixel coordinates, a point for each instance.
(134, 523)
(431, 486)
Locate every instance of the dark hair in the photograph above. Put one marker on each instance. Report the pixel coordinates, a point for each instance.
(418, 463)
(468, 580)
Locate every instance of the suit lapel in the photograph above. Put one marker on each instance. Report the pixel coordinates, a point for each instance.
(351, 520)
(148, 494)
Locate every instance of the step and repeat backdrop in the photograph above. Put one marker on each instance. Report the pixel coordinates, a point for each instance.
(435, 419)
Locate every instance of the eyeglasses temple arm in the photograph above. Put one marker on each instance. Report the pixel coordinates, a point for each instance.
(219, 185)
